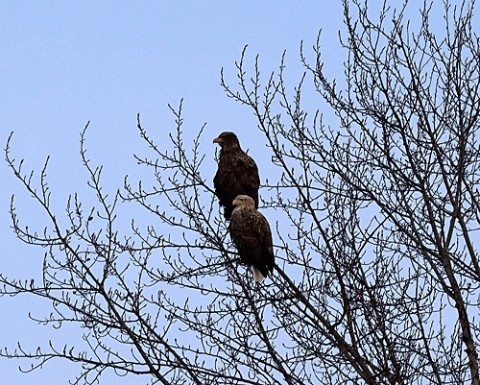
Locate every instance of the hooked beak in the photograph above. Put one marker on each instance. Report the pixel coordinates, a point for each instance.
(218, 140)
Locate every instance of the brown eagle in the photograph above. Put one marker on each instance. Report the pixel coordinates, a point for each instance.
(237, 173)
(252, 236)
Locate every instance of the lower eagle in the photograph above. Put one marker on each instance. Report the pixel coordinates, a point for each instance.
(252, 236)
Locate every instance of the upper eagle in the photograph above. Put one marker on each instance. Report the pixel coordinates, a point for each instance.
(252, 236)
(237, 173)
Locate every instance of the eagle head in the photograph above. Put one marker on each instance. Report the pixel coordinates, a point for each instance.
(243, 201)
(227, 139)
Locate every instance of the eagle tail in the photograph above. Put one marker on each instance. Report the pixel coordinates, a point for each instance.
(257, 275)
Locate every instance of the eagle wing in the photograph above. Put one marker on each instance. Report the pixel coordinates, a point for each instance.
(250, 180)
(263, 233)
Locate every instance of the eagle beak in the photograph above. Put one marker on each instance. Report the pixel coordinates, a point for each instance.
(218, 140)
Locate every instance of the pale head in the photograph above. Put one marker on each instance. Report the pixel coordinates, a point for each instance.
(243, 201)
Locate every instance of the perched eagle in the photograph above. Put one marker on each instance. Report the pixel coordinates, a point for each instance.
(237, 173)
(252, 236)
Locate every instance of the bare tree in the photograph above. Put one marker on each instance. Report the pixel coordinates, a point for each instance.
(377, 276)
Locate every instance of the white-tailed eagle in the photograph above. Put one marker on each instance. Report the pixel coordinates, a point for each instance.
(252, 236)
(237, 173)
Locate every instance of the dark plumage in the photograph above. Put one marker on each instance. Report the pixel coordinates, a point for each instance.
(252, 236)
(237, 173)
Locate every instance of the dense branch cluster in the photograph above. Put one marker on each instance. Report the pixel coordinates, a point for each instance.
(377, 278)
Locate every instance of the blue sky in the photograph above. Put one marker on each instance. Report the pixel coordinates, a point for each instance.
(65, 63)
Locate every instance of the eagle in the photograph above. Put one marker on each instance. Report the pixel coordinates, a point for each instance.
(252, 236)
(237, 173)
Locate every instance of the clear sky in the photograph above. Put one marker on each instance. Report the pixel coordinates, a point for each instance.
(64, 63)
